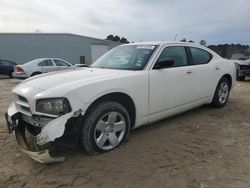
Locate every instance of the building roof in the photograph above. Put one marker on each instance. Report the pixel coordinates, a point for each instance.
(69, 34)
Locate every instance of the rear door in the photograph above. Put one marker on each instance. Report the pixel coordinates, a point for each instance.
(47, 66)
(206, 72)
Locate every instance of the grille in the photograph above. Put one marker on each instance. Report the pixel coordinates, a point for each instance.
(23, 105)
(25, 108)
(21, 98)
(245, 67)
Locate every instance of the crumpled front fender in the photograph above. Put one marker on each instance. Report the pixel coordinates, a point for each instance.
(54, 129)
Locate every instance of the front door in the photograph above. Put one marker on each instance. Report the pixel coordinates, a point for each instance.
(61, 65)
(171, 87)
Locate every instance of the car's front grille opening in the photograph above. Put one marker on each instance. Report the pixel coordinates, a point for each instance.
(21, 98)
(23, 104)
(25, 108)
(245, 67)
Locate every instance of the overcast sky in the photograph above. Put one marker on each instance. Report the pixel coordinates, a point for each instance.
(216, 21)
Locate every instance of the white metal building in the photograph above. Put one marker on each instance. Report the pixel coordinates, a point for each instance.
(23, 47)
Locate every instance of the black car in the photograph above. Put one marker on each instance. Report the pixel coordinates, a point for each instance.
(243, 69)
(7, 67)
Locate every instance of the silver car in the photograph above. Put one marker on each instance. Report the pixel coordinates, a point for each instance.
(40, 66)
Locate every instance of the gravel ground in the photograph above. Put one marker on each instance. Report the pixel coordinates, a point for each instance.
(201, 148)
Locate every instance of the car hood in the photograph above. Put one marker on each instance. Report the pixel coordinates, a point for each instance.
(73, 77)
(246, 62)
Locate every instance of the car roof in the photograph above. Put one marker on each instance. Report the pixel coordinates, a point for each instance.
(6, 60)
(35, 61)
(42, 59)
(163, 43)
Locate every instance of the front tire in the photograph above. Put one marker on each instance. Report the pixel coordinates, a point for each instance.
(105, 128)
(221, 93)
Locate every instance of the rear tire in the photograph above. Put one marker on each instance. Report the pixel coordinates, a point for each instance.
(105, 127)
(221, 94)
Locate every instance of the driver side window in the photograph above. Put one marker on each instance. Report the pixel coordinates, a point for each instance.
(60, 63)
(177, 53)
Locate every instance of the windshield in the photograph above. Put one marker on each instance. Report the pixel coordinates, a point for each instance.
(131, 57)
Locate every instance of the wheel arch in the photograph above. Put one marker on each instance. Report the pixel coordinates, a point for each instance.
(35, 73)
(120, 97)
(229, 78)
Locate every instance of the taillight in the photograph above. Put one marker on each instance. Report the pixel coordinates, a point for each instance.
(19, 69)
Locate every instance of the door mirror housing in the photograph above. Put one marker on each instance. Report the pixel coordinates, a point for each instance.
(164, 63)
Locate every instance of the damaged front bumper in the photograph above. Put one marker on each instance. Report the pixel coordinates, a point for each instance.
(42, 156)
(53, 130)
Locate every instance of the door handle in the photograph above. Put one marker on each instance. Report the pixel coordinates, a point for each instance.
(189, 72)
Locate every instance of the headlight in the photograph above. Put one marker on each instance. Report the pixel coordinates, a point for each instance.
(55, 106)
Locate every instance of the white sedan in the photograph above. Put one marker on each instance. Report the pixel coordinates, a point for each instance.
(40, 66)
(130, 86)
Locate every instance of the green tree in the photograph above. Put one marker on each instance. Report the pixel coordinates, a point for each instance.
(227, 50)
(124, 40)
(117, 39)
(110, 37)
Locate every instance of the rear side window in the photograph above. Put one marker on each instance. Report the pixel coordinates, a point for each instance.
(200, 56)
(177, 53)
(40, 64)
(47, 63)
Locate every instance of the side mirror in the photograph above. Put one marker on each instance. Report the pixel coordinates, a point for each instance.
(164, 63)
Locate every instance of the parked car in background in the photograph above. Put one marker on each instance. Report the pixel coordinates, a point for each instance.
(129, 86)
(40, 66)
(243, 69)
(7, 67)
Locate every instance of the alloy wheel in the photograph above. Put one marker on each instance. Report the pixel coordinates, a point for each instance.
(110, 130)
(223, 92)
